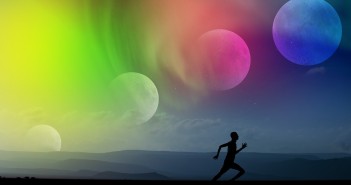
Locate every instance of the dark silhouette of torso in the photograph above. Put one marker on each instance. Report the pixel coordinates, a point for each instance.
(229, 159)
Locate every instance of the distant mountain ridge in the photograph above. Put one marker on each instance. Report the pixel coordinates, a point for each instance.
(125, 176)
(156, 165)
(84, 164)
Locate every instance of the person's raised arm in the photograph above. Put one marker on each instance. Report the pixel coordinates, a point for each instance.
(219, 150)
(244, 145)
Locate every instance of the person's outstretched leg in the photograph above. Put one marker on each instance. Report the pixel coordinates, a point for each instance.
(240, 169)
(220, 173)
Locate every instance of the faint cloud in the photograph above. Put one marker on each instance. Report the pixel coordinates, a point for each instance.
(316, 71)
(102, 116)
(187, 125)
(343, 141)
(346, 146)
(170, 122)
(34, 115)
(132, 116)
(12, 127)
(161, 117)
(169, 132)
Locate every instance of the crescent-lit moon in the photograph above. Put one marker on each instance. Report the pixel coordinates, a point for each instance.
(136, 97)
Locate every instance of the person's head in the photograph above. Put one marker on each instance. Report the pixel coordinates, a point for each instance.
(234, 136)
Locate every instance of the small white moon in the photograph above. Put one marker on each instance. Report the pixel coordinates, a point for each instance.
(136, 97)
(42, 138)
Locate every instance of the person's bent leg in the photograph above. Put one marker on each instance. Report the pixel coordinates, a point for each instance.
(220, 173)
(240, 169)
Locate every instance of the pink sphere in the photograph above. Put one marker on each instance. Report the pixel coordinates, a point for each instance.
(224, 59)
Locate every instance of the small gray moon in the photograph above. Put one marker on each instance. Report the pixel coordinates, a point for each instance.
(42, 138)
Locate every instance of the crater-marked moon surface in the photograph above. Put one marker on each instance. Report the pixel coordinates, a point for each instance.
(224, 59)
(307, 32)
(136, 97)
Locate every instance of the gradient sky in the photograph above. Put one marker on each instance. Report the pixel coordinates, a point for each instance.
(58, 58)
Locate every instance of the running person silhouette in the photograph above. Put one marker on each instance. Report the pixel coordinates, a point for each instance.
(229, 159)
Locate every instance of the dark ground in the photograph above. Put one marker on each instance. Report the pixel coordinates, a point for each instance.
(77, 181)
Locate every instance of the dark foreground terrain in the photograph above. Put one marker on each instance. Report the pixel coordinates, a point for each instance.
(154, 182)
(171, 167)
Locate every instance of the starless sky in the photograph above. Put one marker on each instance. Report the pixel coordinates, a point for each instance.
(58, 58)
